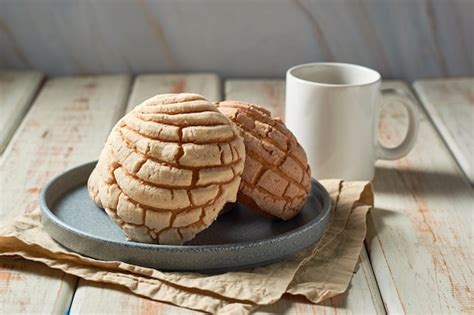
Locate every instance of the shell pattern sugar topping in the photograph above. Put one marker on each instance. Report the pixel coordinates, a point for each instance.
(168, 168)
(276, 177)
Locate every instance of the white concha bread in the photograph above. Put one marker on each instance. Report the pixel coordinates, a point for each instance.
(168, 168)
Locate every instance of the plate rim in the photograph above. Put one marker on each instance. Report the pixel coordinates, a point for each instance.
(46, 211)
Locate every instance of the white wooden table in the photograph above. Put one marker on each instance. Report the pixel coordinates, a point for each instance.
(418, 257)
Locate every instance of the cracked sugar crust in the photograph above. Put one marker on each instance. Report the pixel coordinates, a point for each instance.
(276, 179)
(168, 168)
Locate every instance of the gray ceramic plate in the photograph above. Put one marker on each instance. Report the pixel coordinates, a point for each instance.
(239, 239)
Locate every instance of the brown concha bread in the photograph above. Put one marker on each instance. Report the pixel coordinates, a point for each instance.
(276, 177)
(168, 168)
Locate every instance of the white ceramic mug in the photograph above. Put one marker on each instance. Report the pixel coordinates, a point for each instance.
(333, 110)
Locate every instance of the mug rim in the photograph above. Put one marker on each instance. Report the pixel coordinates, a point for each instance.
(289, 73)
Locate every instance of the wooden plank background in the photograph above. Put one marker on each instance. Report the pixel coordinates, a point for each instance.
(17, 89)
(401, 39)
(450, 105)
(420, 231)
(67, 125)
(148, 85)
(270, 93)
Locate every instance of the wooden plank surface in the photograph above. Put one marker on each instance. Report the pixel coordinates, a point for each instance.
(108, 299)
(103, 298)
(67, 125)
(450, 105)
(421, 231)
(17, 90)
(269, 92)
(363, 296)
(148, 85)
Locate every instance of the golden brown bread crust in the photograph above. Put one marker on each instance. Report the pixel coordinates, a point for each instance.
(276, 177)
(168, 168)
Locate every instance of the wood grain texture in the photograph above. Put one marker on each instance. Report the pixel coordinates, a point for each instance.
(268, 93)
(148, 85)
(238, 38)
(67, 125)
(17, 90)
(450, 105)
(107, 299)
(103, 298)
(420, 232)
(362, 297)
(28, 287)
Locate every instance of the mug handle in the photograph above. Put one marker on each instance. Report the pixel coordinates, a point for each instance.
(406, 145)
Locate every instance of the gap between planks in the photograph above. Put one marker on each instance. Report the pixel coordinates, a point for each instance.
(17, 90)
(66, 125)
(450, 105)
(420, 230)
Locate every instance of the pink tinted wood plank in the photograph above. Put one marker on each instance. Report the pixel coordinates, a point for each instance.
(30, 287)
(270, 93)
(17, 90)
(363, 296)
(148, 85)
(67, 125)
(420, 231)
(450, 105)
(108, 299)
(104, 298)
